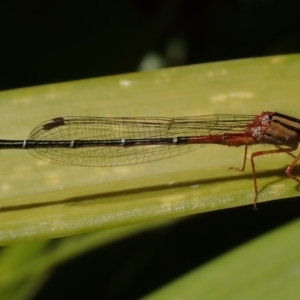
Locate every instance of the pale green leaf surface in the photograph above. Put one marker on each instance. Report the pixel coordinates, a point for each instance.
(39, 200)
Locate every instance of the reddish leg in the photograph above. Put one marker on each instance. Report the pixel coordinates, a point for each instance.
(288, 170)
(244, 161)
(291, 167)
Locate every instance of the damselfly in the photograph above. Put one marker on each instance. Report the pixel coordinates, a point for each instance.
(106, 142)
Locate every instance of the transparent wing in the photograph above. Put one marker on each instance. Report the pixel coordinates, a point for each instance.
(98, 128)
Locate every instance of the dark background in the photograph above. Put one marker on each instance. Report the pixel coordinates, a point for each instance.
(53, 41)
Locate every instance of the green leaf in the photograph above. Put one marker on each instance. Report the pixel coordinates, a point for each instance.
(26, 266)
(39, 200)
